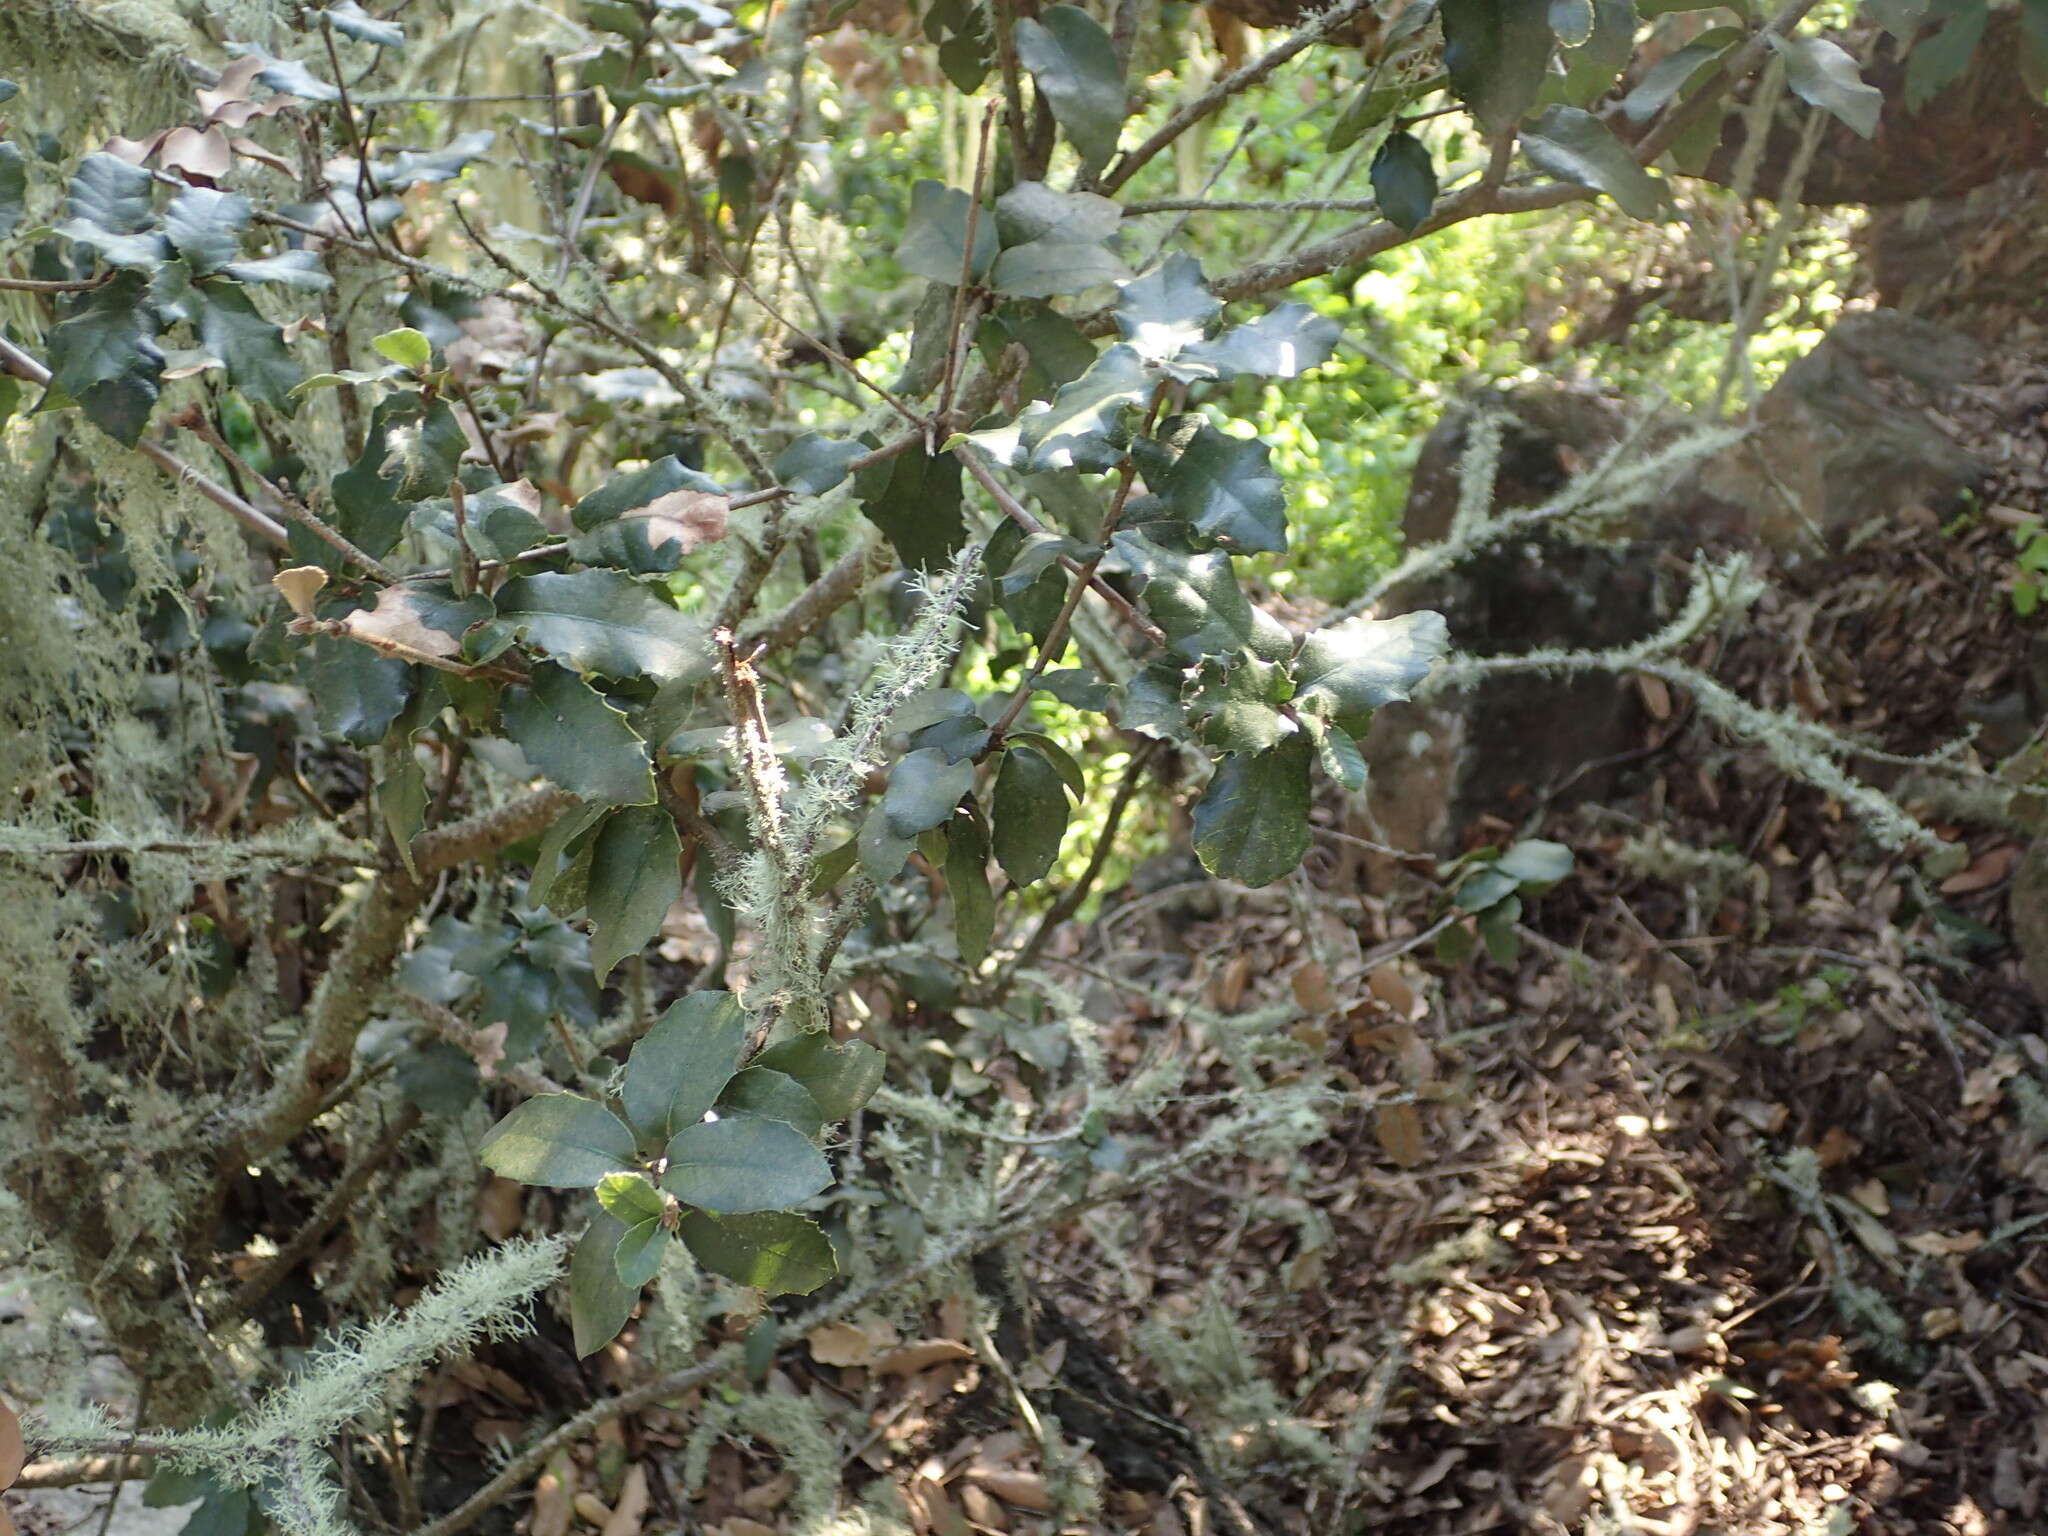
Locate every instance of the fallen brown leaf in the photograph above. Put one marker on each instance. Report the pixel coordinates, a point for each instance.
(631, 1508)
(552, 1497)
(13, 1453)
(1982, 872)
(1399, 1127)
(1012, 1485)
(915, 1357)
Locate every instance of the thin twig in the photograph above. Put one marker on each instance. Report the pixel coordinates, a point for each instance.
(42, 285)
(1016, 512)
(195, 422)
(17, 362)
(988, 122)
(325, 1218)
(1238, 80)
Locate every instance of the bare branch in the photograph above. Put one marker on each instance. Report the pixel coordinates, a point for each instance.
(1240, 79)
(17, 362)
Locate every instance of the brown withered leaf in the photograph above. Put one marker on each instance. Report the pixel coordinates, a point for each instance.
(1013, 1485)
(398, 624)
(1312, 989)
(500, 1209)
(694, 518)
(233, 87)
(841, 1344)
(1399, 1127)
(134, 151)
(206, 155)
(1983, 872)
(552, 1496)
(13, 1453)
(249, 149)
(631, 1509)
(912, 1358)
(300, 584)
(643, 181)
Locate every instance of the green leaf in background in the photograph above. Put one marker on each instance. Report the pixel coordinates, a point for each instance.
(350, 19)
(292, 269)
(1347, 671)
(1404, 180)
(1251, 824)
(406, 347)
(1576, 146)
(13, 187)
(772, 1095)
(1374, 103)
(1044, 269)
(640, 1251)
(1033, 213)
(923, 789)
(1031, 604)
(571, 733)
(1939, 59)
(1030, 814)
(934, 242)
(1497, 930)
(259, 364)
(1590, 70)
(604, 622)
(1235, 706)
(813, 464)
(1195, 598)
(1901, 18)
(1571, 21)
(1533, 865)
(356, 693)
(222, 1511)
(1074, 64)
(1226, 489)
(560, 1140)
(600, 1301)
(205, 227)
(1496, 52)
(1283, 343)
(742, 1165)
(635, 877)
(631, 1197)
(1061, 759)
(1337, 752)
(883, 852)
(916, 501)
(570, 831)
(681, 1065)
(974, 906)
(104, 355)
(110, 208)
(778, 1252)
(1536, 862)
(636, 489)
(840, 1076)
(1824, 74)
(1083, 428)
(1166, 310)
(1675, 72)
(411, 452)
(402, 802)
